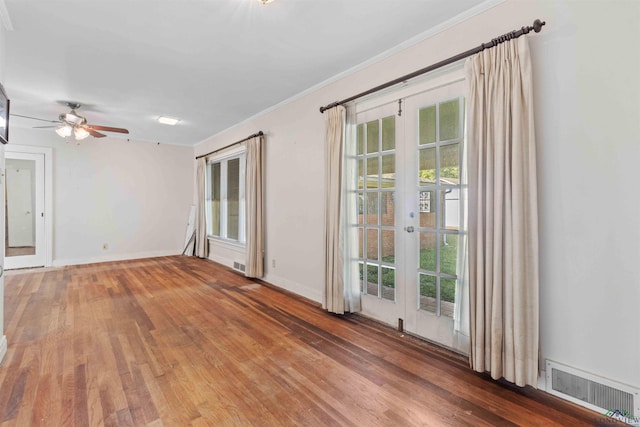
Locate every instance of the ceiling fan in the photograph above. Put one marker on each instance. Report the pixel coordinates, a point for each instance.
(72, 122)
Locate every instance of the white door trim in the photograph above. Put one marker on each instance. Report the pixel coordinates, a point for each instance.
(47, 152)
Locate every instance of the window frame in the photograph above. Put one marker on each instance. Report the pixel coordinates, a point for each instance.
(223, 159)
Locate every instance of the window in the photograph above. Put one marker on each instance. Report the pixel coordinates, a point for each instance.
(225, 198)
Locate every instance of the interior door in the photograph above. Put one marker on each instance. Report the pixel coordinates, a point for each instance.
(20, 212)
(408, 197)
(24, 207)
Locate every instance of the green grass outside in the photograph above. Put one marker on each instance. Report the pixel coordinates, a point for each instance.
(448, 255)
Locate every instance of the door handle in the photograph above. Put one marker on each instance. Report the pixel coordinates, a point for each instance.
(409, 229)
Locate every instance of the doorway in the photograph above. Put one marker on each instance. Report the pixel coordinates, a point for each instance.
(406, 171)
(26, 237)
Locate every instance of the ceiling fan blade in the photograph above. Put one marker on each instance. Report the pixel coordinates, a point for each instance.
(107, 128)
(35, 118)
(95, 133)
(44, 127)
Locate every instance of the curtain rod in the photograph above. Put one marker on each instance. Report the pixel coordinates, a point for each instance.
(260, 133)
(537, 26)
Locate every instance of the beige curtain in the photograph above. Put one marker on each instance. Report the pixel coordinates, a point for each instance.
(200, 227)
(503, 214)
(254, 208)
(338, 295)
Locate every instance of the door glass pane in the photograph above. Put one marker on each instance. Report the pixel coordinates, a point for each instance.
(427, 292)
(372, 244)
(448, 253)
(388, 249)
(360, 174)
(427, 251)
(215, 199)
(361, 271)
(360, 207)
(360, 139)
(387, 210)
(373, 137)
(388, 133)
(233, 199)
(389, 171)
(20, 207)
(447, 296)
(450, 164)
(360, 242)
(427, 209)
(372, 172)
(372, 279)
(450, 205)
(427, 167)
(372, 208)
(427, 125)
(388, 283)
(449, 120)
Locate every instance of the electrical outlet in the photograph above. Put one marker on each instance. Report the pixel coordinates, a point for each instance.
(273, 263)
(105, 246)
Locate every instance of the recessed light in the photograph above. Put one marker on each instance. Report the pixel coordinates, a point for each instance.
(168, 121)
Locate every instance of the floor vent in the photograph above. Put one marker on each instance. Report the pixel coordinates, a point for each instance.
(238, 266)
(599, 394)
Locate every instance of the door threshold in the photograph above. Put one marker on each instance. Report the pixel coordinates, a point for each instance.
(24, 270)
(415, 339)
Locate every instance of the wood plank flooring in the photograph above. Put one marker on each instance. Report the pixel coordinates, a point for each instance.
(178, 341)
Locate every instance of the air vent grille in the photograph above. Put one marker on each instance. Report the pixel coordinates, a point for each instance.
(238, 266)
(592, 391)
(596, 394)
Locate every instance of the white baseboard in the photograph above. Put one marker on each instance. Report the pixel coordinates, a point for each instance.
(113, 257)
(280, 282)
(3, 347)
(227, 262)
(296, 288)
(542, 380)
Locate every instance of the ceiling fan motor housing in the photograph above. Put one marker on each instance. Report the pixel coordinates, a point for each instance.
(72, 118)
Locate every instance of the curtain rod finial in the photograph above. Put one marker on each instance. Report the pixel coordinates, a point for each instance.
(537, 25)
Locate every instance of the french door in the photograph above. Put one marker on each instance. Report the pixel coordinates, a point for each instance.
(409, 213)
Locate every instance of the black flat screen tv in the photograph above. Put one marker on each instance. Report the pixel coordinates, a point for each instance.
(4, 116)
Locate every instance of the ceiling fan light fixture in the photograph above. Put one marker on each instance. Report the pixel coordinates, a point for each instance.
(265, 1)
(72, 118)
(80, 133)
(64, 131)
(168, 121)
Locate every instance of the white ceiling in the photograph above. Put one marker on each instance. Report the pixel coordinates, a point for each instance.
(211, 63)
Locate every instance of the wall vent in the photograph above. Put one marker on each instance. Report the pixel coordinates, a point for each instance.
(594, 392)
(238, 266)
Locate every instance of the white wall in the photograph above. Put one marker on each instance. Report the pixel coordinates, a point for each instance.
(3, 339)
(129, 195)
(588, 110)
(587, 77)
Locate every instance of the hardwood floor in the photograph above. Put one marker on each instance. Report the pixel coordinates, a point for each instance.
(178, 341)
